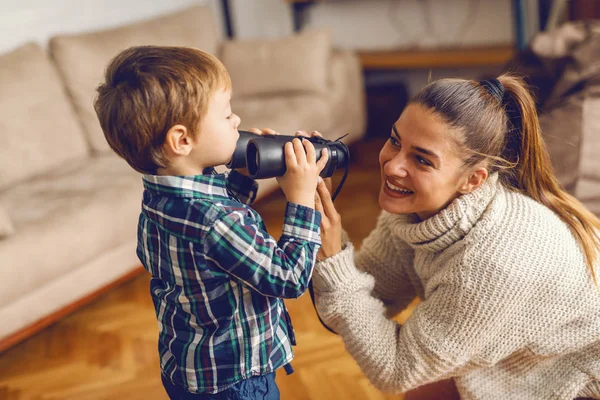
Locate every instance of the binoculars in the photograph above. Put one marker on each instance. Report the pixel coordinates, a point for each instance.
(264, 157)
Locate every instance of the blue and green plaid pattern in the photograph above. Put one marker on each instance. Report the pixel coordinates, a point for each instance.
(218, 278)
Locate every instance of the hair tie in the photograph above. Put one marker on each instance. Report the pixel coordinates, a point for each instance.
(494, 87)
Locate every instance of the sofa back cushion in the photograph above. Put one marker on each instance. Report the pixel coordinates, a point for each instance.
(38, 128)
(81, 59)
(6, 225)
(297, 63)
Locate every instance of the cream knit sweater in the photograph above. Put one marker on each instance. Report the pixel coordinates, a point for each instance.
(508, 307)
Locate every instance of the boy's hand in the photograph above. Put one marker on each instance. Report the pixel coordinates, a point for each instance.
(266, 131)
(302, 133)
(299, 183)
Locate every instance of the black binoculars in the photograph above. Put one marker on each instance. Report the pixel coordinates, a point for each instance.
(264, 157)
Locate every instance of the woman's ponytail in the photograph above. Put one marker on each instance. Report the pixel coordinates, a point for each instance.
(495, 122)
(533, 173)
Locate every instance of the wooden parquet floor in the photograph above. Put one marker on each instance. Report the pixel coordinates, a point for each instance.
(108, 350)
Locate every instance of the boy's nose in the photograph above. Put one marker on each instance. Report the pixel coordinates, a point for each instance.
(236, 121)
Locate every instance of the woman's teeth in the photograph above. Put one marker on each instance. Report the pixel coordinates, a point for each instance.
(397, 189)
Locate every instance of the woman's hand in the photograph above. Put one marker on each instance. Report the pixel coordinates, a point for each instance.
(331, 223)
(266, 131)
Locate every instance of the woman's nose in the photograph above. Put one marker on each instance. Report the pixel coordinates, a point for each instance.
(396, 166)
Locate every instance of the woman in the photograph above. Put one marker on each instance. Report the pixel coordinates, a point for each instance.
(476, 225)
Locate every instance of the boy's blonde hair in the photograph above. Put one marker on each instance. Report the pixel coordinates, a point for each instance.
(149, 89)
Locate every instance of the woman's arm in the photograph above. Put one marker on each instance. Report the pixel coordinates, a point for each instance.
(387, 259)
(463, 325)
(453, 331)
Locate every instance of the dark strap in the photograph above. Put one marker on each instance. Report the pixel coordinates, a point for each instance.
(494, 87)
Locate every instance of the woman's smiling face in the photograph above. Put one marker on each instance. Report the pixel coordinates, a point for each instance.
(420, 168)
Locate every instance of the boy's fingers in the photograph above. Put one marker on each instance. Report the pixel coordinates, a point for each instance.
(316, 133)
(301, 133)
(311, 155)
(323, 160)
(299, 150)
(290, 155)
(255, 130)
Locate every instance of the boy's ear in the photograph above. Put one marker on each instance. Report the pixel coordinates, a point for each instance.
(178, 141)
(475, 179)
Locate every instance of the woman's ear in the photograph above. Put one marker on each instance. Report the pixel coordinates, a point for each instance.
(178, 141)
(475, 179)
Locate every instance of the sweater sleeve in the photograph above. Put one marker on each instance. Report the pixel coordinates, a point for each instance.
(454, 331)
(388, 260)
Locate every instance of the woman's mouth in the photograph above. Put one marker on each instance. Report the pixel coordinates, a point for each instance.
(395, 191)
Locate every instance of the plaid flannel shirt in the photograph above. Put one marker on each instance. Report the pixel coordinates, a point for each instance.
(218, 278)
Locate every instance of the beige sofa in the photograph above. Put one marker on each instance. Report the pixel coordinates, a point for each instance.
(69, 206)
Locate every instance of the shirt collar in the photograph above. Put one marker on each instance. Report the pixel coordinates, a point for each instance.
(210, 184)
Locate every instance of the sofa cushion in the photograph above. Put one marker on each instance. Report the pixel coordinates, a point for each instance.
(297, 63)
(285, 113)
(6, 225)
(65, 219)
(38, 128)
(347, 97)
(82, 58)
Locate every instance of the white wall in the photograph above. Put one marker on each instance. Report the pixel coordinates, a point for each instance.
(384, 24)
(356, 24)
(392, 24)
(38, 20)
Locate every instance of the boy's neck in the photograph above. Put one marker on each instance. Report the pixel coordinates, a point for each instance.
(181, 170)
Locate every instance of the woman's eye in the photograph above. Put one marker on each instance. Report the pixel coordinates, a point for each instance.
(394, 141)
(423, 161)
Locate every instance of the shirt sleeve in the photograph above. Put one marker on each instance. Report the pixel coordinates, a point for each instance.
(237, 244)
(242, 187)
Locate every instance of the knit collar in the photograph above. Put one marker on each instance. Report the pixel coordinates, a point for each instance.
(449, 225)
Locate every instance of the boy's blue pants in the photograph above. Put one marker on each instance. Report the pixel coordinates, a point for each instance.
(256, 388)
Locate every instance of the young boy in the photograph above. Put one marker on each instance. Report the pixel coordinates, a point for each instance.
(217, 276)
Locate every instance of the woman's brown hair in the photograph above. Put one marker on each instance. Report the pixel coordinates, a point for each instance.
(496, 121)
(149, 89)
